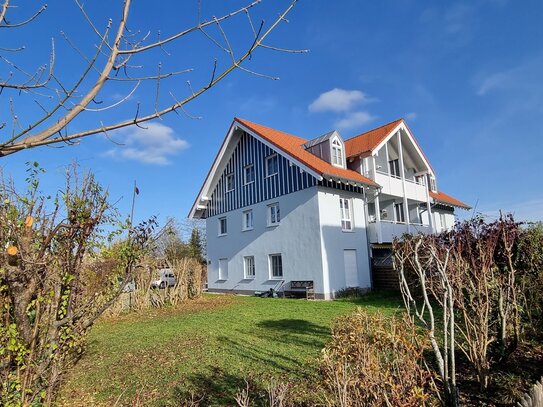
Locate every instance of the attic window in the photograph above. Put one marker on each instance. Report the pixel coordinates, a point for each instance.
(272, 165)
(337, 153)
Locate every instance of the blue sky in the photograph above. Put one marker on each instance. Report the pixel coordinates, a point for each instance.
(466, 75)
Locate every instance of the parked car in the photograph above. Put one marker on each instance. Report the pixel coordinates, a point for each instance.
(166, 279)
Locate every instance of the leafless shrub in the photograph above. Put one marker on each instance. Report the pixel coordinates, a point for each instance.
(472, 276)
(374, 360)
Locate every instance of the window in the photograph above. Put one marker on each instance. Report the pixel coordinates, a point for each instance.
(337, 153)
(249, 174)
(222, 226)
(394, 167)
(346, 218)
(223, 269)
(433, 186)
(443, 221)
(272, 165)
(276, 266)
(249, 262)
(229, 182)
(274, 214)
(398, 211)
(248, 219)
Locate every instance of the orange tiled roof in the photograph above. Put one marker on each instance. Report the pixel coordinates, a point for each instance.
(369, 140)
(449, 200)
(293, 146)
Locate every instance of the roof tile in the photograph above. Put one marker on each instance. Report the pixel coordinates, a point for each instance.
(293, 146)
(369, 140)
(447, 199)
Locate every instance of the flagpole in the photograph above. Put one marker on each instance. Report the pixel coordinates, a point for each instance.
(133, 204)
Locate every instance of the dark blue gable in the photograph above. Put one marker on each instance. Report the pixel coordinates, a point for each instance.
(290, 178)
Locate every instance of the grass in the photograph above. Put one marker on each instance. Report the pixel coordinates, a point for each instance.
(208, 347)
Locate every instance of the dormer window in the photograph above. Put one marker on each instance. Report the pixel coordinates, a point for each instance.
(337, 153)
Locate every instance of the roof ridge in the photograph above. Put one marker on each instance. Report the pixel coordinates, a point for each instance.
(376, 128)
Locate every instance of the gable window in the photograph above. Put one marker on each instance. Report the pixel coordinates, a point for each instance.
(433, 186)
(394, 167)
(274, 214)
(249, 174)
(337, 153)
(229, 182)
(398, 211)
(346, 215)
(248, 219)
(222, 226)
(272, 165)
(276, 266)
(249, 266)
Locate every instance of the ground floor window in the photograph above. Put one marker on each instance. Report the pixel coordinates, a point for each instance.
(249, 266)
(223, 269)
(276, 266)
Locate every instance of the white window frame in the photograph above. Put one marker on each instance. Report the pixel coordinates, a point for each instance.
(247, 167)
(443, 220)
(230, 182)
(400, 211)
(394, 164)
(346, 212)
(337, 153)
(223, 274)
(271, 269)
(249, 267)
(432, 183)
(221, 232)
(274, 209)
(268, 159)
(245, 225)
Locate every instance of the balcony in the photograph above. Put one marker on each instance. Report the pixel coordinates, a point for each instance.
(391, 229)
(392, 185)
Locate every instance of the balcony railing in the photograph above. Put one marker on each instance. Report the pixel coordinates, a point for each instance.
(388, 230)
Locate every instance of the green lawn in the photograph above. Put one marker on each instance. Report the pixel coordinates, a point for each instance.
(208, 346)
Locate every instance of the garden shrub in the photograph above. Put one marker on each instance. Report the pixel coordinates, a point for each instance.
(375, 360)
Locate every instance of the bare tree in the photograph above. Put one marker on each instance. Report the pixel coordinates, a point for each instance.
(119, 51)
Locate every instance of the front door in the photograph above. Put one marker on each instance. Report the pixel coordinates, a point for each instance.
(351, 268)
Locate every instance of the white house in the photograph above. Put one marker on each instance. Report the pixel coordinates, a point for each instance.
(280, 209)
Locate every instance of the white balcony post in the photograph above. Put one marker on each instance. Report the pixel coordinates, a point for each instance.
(429, 209)
(402, 175)
(377, 208)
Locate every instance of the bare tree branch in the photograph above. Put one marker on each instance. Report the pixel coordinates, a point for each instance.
(111, 63)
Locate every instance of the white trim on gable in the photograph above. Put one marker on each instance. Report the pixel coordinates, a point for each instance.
(402, 126)
(221, 160)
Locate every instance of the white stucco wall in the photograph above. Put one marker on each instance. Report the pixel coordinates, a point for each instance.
(335, 241)
(297, 238)
(449, 219)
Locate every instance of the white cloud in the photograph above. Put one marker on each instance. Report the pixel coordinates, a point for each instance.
(337, 100)
(354, 119)
(411, 116)
(492, 82)
(154, 144)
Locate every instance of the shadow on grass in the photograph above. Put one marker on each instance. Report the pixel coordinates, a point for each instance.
(294, 326)
(218, 388)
